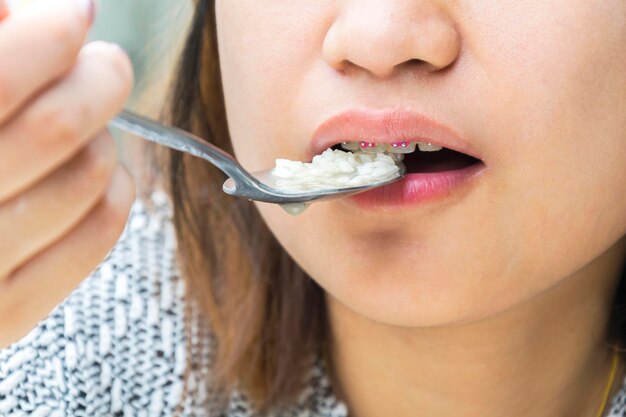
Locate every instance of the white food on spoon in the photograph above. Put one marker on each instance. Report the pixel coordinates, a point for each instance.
(334, 169)
(365, 163)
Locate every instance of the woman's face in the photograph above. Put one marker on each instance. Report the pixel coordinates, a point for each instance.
(535, 89)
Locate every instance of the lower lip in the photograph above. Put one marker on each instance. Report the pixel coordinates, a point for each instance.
(419, 188)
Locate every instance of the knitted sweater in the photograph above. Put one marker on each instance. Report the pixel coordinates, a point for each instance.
(128, 343)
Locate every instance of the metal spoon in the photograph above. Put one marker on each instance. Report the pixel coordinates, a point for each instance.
(259, 186)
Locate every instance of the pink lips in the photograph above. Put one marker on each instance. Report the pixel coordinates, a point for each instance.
(386, 127)
(419, 188)
(392, 127)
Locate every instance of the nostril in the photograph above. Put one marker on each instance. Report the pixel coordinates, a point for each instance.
(414, 62)
(417, 64)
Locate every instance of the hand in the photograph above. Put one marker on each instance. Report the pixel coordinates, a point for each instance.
(64, 200)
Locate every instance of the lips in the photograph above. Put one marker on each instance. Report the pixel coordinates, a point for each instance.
(430, 176)
(386, 127)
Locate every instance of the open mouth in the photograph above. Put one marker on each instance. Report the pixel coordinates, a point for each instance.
(417, 157)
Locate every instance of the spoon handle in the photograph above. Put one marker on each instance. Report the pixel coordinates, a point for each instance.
(179, 140)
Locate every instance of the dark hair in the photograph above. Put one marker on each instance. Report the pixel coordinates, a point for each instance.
(268, 316)
(616, 332)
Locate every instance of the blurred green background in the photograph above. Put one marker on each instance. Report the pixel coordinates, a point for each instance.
(149, 30)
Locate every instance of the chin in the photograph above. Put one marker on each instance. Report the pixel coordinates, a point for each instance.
(395, 270)
(410, 296)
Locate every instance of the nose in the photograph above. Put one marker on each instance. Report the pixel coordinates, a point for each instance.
(379, 36)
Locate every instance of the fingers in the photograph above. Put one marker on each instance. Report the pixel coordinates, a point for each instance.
(4, 10)
(59, 269)
(47, 36)
(63, 202)
(44, 214)
(55, 126)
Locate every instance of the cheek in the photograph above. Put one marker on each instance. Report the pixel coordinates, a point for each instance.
(553, 101)
(266, 49)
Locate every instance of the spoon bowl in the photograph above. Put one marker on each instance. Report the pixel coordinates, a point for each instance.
(269, 192)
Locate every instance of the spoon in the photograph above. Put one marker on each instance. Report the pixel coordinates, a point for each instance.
(258, 186)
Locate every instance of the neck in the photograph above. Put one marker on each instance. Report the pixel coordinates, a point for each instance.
(544, 357)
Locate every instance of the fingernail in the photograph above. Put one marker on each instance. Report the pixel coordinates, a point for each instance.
(89, 7)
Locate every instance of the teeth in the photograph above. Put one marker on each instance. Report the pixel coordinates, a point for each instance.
(400, 147)
(350, 146)
(390, 148)
(428, 147)
(397, 157)
(371, 147)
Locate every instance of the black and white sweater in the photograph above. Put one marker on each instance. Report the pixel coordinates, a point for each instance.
(127, 343)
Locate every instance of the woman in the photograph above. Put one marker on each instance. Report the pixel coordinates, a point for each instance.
(486, 283)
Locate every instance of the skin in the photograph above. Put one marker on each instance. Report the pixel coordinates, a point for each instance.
(64, 200)
(489, 303)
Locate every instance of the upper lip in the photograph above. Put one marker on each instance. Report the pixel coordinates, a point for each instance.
(386, 127)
